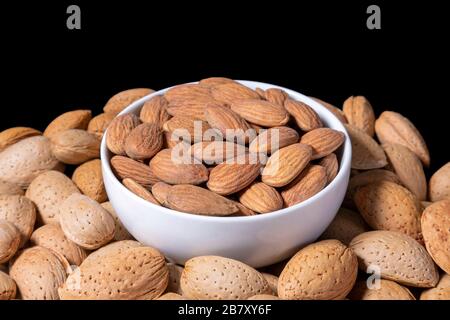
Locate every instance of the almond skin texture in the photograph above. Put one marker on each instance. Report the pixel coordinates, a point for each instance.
(118, 131)
(370, 176)
(276, 96)
(215, 81)
(139, 190)
(38, 272)
(85, 222)
(260, 112)
(261, 198)
(338, 113)
(197, 200)
(215, 152)
(282, 137)
(408, 168)
(123, 99)
(25, 160)
(110, 249)
(77, 119)
(21, 212)
(88, 178)
(263, 297)
(143, 268)
(48, 191)
(399, 257)
(7, 287)
(388, 206)
(323, 141)
(233, 175)
(165, 167)
(331, 165)
(441, 292)
(436, 232)
(311, 181)
(286, 164)
(367, 153)
(227, 93)
(12, 135)
(10, 188)
(359, 113)
(223, 119)
(185, 128)
(346, 225)
(439, 186)
(219, 278)
(392, 127)
(100, 123)
(305, 116)
(52, 237)
(160, 191)
(388, 290)
(75, 146)
(307, 275)
(144, 141)
(128, 168)
(9, 240)
(272, 281)
(175, 272)
(120, 233)
(154, 111)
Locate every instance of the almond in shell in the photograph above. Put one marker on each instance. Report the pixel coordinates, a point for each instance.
(323, 141)
(346, 225)
(384, 290)
(10, 188)
(9, 240)
(75, 146)
(440, 292)
(261, 198)
(12, 135)
(120, 233)
(7, 287)
(359, 113)
(175, 272)
(88, 178)
(77, 119)
(439, 185)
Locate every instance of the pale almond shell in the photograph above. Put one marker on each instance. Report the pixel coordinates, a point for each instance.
(346, 225)
(75, 146)
(120, 233)
(439, 185)
(9, 240)
(359, 112)
(388, 290)
(7, 287)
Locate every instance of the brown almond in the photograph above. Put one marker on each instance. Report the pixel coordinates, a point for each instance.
(154, 111)
(260, 112)
(100, 123)
(10, 188)
(52, 237)
(392, 127)
(143, 268)
(276, 96)
(139, 190)
(306, 118)
(120, 233)
(7, 287)
(38, 272)
(88, 177)
(77, 119)
(26, 159)
(385, 205)
(227, 93)
(346, 225)
(384, 290)
(160, 191)
(366, 152)
(436, 232)
(118, 131)
(397, 256)
(75, 146)
(123, 99)
(307, 276)
(281, 136)
(285, 164)
(309, 182)
(21, 212)
(229, 279)
(215, 81)
(144, 141)
(439, 185)
(215, 152)
(12, 135)
(197, 200)
(408, 168)
(359, 113)
(225, 120)
(128, 168)
(440, 292)
(9, 240)
(242, 210)
(338, 113)
(85, 222)
(261, 198)
(47, 191)
(234, 175)
(191, 130)
(167, 166)
(323, 141)
(331, 165)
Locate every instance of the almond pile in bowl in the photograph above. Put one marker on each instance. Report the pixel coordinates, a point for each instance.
(61, 239)
(219, 148)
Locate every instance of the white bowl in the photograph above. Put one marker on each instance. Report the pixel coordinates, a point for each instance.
(256, 240)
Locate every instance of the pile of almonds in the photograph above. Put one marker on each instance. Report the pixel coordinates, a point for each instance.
(219, 148)
(61, 239)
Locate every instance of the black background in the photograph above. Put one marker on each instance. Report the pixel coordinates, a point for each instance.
(318, 48)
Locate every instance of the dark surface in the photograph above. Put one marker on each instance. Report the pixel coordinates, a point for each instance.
(321, 49)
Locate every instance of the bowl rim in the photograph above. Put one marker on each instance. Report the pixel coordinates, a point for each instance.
(344, 163)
